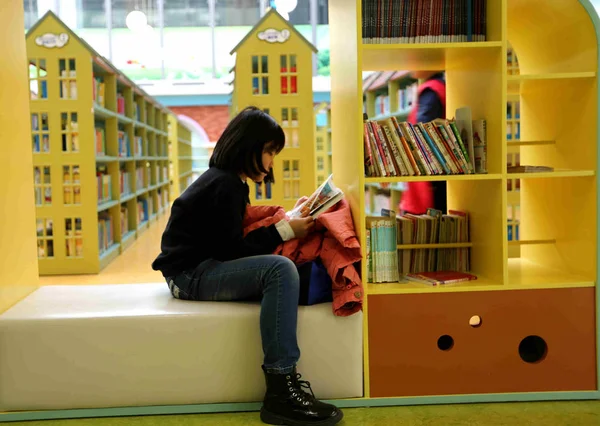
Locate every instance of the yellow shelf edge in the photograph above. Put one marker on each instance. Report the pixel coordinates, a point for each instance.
(433, 246)
(142, 226)
(413, 46)
(554, 174)
(127, 197)
(106, 159)
(390, 114)
(107, 205)
(551, 76)
(455, 288)
(530, 143)
(531, 242)
(113, 249)
(423, 178)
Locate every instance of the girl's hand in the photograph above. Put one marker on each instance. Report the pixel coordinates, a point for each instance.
(300, 201)
(302, 226)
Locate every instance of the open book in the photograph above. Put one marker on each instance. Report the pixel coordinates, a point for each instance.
(320, 201)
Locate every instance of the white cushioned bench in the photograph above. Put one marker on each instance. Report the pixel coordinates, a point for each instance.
(68, 347)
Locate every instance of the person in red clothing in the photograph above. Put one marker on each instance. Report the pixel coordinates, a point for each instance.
(429, 105)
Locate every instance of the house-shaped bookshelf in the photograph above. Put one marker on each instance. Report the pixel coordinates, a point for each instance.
(273, 71)
(100, 153)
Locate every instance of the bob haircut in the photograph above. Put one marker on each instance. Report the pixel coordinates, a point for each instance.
(246, 137)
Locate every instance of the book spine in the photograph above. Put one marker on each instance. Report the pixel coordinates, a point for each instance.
(432, 152)
(410, 135)
(395, 152)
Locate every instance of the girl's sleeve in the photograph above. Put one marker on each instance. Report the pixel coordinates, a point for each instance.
(230, 242)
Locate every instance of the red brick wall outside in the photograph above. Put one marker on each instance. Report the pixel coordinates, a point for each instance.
(213, 118)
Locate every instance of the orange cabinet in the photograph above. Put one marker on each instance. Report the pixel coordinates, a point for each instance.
(526, 341)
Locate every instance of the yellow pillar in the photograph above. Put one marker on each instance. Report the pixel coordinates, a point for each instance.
(18, 258)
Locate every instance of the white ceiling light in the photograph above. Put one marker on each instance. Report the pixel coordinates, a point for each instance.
(284, 7)
(136, 20)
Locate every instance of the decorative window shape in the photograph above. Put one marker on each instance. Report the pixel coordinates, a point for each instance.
(290, 126)
(68, 78)
(260, 75)
(71, 185)
(289, 77)
(73, 238)
(42, 185)
(38, 79)
(291, 179)
(40, 133)
(69, 129)
(45, 238)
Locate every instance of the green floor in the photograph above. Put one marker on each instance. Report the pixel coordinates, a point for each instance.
(518, 414)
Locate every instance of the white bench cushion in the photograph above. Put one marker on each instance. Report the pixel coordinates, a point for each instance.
(134, 345)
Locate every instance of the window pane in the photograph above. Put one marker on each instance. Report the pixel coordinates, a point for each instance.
(88, 19)
(293, 63)
(283, 65)
(323, 12)
(136, 49)
(186, 13)
(233, 20)
(121, 8)
(31, 13)
(230, 13)
(91, 14)
(187, 42)
(254, 64)
(265, 64)
(301, 14)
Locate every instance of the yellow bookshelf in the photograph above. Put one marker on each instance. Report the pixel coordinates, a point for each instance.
(323, 159)
(273, 71)
(180, 155)
(418, 340)
(100, 160)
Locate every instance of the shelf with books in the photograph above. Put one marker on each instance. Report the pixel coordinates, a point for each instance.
(180, 148)
(552, 174)
(557, 225)
(90, 180)
(487, 176)
(410, 287)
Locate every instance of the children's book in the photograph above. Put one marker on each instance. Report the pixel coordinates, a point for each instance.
(325, 197)
(441, 277)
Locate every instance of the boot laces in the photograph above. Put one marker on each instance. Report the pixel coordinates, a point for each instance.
(297, 387)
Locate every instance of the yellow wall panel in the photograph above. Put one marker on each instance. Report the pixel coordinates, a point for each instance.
(19, 270)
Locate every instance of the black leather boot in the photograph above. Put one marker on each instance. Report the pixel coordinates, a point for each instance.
(286, 403)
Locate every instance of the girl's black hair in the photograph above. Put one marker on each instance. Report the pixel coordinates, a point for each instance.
(243, 141)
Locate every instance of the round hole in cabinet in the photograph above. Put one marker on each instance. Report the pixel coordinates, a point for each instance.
(475, 321)
(533, 349)
(445, 342)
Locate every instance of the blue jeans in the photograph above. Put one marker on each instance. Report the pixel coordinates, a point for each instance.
(272, 279)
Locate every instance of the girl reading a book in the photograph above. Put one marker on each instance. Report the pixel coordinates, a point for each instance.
(205, 257)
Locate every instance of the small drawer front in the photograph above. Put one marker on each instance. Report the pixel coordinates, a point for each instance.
(527, 341)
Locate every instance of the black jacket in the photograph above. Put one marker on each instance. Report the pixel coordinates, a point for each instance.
(206, 223)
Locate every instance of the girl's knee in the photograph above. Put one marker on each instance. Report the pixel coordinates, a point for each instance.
(286, 271)
(285, 265)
